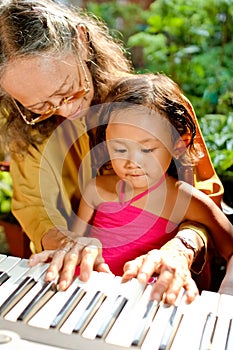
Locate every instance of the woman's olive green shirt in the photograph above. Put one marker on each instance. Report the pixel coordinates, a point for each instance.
(48, 180)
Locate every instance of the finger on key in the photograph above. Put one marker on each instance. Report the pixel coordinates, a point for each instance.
(55, 265)
(88, 258)
(151, 265)
(131, 268)
(71, 261)
(162, 284)
(41, 257)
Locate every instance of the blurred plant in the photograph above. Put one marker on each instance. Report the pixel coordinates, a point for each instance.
(123, 19)
(218, 131)
(193, 47)
(5, 197)
(4, 248)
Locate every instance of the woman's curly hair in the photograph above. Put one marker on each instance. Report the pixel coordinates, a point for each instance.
(29, 28)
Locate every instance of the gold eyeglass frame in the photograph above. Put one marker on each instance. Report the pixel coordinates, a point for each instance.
(52, 110)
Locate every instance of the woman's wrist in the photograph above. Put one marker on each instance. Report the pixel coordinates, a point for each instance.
(178, 248)
(198, 237)
(55, 238)
(189, 244)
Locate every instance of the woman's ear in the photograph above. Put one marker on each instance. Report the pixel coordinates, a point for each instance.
(181, 145)
(83, 41)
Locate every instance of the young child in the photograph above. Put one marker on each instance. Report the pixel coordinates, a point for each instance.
(149, 135)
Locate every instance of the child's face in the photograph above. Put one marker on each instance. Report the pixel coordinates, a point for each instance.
(139, 146)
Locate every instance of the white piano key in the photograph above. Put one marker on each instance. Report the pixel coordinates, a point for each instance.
(12, 283)
(114, 310)
(22, 289)
(173, 322)
(37, 271)
(143, 313)
(89, 312)
(145, 322)
(2, 257)
(68, 308)
(90, 287)
(24, 284)
(123, 330)
(8, 263)
(194, 318)
(44, 317)
(208, 331)
(47, 292)
(110, 286)
(14, 313)
(225, 314)
(156, 330)
(16, 272)
(161, 329)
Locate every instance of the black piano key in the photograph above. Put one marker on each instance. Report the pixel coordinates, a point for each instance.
(90, 310)
(208, 331)
(118, 306)
(151, 310)
(18, 293)
(68, 307)
(229, 340)
(46, 292)
(169, 329)
(3, 277)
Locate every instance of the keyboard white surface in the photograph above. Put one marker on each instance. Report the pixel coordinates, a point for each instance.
(112, 321)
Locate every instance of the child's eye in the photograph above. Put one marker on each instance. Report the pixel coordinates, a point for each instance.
(120, 150)
(147, 150)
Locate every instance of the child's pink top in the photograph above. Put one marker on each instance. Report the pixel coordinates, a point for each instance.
(127, 232)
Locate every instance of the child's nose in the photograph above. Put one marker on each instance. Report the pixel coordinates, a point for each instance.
(134, 161)
(131, 164)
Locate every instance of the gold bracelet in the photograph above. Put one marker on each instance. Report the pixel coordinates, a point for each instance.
(202, 232)
(189, 244)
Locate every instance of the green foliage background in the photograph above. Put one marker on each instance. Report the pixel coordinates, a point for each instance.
(192, 42)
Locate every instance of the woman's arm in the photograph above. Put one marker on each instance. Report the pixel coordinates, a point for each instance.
(226, 286)
(47, 183)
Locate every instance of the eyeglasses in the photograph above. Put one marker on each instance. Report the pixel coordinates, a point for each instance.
(52, 110)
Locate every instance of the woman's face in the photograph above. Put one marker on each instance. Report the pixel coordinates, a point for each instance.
(40, 83)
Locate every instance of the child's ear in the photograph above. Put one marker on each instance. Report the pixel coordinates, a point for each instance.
(181, 145)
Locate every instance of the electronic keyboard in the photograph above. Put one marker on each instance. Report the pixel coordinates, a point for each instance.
(104, 314)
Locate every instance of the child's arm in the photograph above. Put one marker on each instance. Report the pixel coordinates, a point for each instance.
(85, 212)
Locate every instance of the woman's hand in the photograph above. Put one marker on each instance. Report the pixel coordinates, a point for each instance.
(84, 251)
(172, 270)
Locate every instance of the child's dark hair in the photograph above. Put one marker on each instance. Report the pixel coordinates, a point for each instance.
(159, 93)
